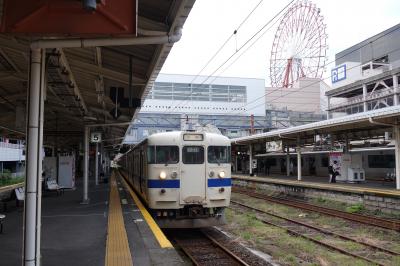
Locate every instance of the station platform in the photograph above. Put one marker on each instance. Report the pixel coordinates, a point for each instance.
(372, 194)
(367, 187)
(112, 229)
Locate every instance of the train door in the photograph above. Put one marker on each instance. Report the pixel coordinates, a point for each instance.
(141, 172)
(193, 175)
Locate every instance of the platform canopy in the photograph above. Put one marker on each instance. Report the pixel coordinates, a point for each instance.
(353, 127)
(85, 85)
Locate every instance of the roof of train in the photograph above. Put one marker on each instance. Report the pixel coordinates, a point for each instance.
(177, 135)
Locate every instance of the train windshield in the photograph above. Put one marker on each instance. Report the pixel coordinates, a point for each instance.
(163, 154)
(219, 154)
(193, 155)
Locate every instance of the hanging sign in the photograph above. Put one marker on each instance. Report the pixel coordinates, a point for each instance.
(95, 137)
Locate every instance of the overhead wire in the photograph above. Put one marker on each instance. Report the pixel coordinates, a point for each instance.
(240, 48)
(297, 90)
(226, 41)
(293, 91)
(340, 57)
(316, 82)
(223, 45)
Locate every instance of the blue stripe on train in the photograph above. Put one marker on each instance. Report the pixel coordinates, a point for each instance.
(219, 182)
(152, 183)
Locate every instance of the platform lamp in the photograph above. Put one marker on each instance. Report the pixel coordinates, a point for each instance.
(89, 5)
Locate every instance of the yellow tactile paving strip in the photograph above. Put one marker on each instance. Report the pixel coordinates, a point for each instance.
(11, 187)
(159, 235)
(362, 190)
(117, 249)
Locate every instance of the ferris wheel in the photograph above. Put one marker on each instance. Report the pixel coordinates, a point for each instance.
(299, 47)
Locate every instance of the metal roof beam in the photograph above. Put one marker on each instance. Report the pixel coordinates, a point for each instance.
(151, 25)
(99, 84)
(9, 61)
(64, 63)
(105, 72)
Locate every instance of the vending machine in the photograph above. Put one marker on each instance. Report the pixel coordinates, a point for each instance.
(66, 171)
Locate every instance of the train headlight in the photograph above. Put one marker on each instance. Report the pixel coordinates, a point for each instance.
(163, 175)
(174, 174)
(221, 174)
(211, 174)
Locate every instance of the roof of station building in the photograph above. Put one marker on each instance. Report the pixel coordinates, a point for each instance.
(368, 121)
(79, 79)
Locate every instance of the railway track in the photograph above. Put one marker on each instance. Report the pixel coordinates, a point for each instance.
(374, 221)
(367, 252)
(203, 250)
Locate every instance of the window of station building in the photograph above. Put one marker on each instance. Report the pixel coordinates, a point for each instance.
(182, 96)
(162, 86)
(193, 155)
(219, 98)
(162, 96)
(219, 154)
(381, 161)
(271, 162)
(324, 161)
(219, 89)
(182, 87)
(237, 94)
(200, 88)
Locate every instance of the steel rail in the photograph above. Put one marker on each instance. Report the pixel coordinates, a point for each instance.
(214, 245)
(318, 229)
(237, 258)
(375, 221)
(312, 239)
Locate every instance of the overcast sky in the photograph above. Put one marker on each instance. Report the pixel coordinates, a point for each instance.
(211, 22)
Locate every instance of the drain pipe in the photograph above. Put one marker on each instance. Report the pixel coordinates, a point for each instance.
(97, 42)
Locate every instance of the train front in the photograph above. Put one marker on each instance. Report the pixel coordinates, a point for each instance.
(193, 186)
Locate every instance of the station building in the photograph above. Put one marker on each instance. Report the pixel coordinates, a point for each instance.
(366, 75)
(303, 103)
(234, 106)
(12, 157)
(361, 131)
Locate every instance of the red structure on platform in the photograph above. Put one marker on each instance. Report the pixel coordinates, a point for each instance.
(68, 17)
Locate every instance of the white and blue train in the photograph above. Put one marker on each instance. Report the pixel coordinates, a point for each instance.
(183, 177)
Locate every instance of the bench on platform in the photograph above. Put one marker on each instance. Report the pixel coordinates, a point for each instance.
(51, 185)
(19, 195)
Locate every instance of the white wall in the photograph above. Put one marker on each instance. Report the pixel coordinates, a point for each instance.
(11, 154)
(255, 92)
(304, 96)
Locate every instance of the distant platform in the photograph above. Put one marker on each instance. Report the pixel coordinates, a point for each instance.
(374, 195)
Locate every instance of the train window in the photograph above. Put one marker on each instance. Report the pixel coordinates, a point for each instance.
(219, 154)
(167, 154)
(193, 155)
(151, 154)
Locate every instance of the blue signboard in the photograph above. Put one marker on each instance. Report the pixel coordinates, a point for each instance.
(338, 73)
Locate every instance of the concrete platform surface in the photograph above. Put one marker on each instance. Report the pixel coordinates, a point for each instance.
(72, 233)
(367, 187)
(76, 234)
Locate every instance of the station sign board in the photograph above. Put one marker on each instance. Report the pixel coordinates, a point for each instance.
(95, 137)
(274, 146)
(338, 73)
